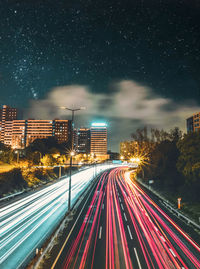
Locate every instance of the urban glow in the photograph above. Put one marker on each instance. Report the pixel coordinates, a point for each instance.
(99, 124)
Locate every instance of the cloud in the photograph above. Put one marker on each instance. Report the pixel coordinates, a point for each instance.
(127, 108)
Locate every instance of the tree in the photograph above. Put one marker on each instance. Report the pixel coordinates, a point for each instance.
(6, 153)
(189, 148)
(48, 160)
(189, 163)
(163, 166)
(44, 146)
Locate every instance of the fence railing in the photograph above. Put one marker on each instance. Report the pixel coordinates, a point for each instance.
(167, 204)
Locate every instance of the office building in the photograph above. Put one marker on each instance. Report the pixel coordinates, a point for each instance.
(20, 133)
(83, 137)
(62, 130)
(98, 145)
(6, 114)
(18, 140)
(193, 123)
(38, 129)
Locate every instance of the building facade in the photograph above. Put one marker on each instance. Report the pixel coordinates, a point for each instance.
(83, 143)
(20, 133)
(98, 145)
(193, 123)
(7, 114)
(62, 130)
(38, 129)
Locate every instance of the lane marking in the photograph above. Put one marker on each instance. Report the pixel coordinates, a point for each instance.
(66, 240)
(102, 206)
(100, 232)
(122, 207)
(130, 232)
(120, 199)
(125, 217)
(139, 264)
(172, 252)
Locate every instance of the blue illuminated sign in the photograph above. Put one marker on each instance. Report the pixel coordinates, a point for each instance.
(99, 124)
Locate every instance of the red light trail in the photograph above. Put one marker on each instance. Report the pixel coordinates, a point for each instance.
(130, 229)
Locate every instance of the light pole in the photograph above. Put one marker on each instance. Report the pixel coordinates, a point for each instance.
(73, 110)
(17, 152)
(40, 155)
(72, 153)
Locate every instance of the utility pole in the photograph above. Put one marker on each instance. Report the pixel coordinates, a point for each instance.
(70, 179)
(73, 110)
(17, 152)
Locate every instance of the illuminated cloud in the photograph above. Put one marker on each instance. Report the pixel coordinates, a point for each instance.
(127, 107)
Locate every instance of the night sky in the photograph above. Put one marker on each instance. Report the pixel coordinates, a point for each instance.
(153, 44)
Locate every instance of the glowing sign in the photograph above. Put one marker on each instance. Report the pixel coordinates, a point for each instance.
(99, 124)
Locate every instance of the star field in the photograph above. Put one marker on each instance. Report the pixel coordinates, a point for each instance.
(49, 43)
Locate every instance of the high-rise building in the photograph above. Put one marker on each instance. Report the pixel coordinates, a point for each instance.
(190, 125)
(38, 129)
(98, 144)
(7, 133)
(75, 139)
(7, 114)
(193, 123)
(18, 134)
(62, 130)
(83, 140)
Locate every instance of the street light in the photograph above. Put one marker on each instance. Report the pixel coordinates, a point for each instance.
(17, 152)
(72, 153)
(39, 154)
(73, 110)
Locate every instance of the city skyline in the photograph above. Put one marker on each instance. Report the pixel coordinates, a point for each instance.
(99, 134)
(136, 63)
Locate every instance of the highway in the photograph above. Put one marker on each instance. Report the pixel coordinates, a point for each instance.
(26, 223)
(122, 227)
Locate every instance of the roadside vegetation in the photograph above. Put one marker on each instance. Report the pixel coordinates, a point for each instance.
(171, 161)
(31, 167)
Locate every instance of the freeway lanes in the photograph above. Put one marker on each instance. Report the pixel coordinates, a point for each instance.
(124, 228)
(28, 222)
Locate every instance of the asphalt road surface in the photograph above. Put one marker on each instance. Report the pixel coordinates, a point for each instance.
(122, 227)
(26, 223)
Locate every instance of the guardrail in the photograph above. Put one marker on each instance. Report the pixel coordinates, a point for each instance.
(11, 196)
(189, 221)
(167, 204)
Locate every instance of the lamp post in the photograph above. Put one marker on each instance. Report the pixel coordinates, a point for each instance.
(73, 110)
(17, 152)
(72, 153)
(40, 155)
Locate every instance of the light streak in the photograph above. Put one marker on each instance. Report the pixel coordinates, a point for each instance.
(131, 216)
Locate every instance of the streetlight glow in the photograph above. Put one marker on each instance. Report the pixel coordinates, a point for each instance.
(72, 153)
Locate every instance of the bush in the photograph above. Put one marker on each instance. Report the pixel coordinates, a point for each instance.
(12, 180)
